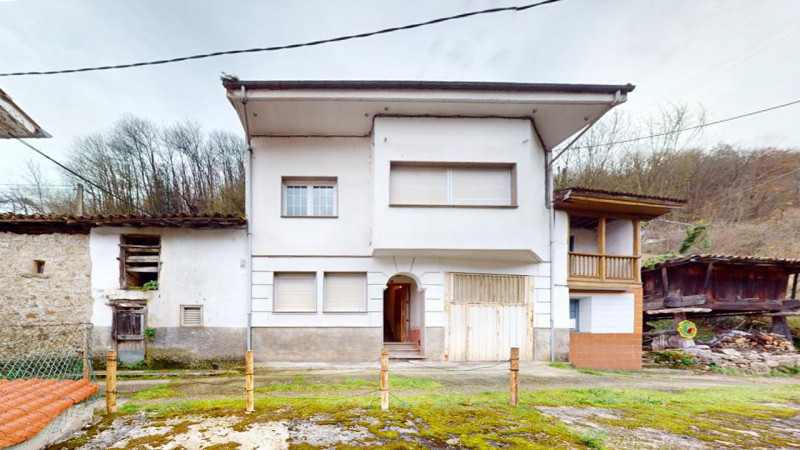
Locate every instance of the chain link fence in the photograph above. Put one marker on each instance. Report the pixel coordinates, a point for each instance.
(61, 352)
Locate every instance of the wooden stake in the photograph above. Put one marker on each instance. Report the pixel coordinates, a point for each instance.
(384, 379)
(111, 381)
(87, 365)
(248, 380)
(513, 378)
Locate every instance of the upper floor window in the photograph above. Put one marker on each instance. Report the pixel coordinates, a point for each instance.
(140, 261)
(452, 184)
(309, 197)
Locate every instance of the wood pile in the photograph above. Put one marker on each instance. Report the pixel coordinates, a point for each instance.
(759, 342)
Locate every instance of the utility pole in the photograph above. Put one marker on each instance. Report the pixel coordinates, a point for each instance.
(79, 201)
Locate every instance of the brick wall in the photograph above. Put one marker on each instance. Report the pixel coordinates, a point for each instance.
(622, 351)
(62, 294)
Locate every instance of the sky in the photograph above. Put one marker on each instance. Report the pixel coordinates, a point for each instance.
(729, 56)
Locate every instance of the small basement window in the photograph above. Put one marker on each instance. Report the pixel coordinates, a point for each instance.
(191, 316)
(140, 261)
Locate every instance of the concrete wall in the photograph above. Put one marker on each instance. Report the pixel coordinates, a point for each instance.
(610, 312)
(619, 237)
(347, 159)
(199, 267)
(584, 240)
(62, 294)
(460, 140)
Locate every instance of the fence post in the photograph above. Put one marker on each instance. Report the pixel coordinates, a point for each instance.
(384, 379)
(87, 352)
(111, 381)
(248, 380)
(513, 388)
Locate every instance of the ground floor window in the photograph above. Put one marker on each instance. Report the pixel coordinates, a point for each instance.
(574, 314)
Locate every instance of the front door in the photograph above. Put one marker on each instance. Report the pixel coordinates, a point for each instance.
(396, 313)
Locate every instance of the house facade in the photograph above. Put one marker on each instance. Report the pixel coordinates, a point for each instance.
(416, 216)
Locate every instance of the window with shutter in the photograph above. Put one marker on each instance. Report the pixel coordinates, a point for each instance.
(140, 261)
(191, 316)
(295, 292)
(452, 184)
(345, 292)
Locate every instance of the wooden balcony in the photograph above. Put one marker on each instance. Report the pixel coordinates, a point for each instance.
(597, 268)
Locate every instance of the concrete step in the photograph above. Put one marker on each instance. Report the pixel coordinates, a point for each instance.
(400, 346)
(406, 355)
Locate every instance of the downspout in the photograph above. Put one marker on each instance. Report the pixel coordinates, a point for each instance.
(248, 207)
(552, 215)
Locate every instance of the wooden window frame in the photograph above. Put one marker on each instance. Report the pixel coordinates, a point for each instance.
(459, 165)
(183, 309)
(325, 297)
(309, 183)
(123, 255)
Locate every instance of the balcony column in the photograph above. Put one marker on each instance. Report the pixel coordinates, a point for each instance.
(601, 246)
(637, 251)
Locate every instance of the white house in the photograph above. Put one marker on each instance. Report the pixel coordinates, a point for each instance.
(411, 215)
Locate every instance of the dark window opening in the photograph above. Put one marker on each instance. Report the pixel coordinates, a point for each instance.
(39, 266)
(140, 261)
(574, 314)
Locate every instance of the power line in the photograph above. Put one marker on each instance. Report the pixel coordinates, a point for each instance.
(696, 127)
(90, 182)
(289, 46)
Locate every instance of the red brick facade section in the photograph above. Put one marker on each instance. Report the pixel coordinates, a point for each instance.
(621, 351)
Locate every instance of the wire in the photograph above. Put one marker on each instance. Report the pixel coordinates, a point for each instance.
(289, 46)
(696, 127)
(76, 174)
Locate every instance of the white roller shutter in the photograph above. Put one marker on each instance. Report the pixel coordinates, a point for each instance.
(418, 185)
(345, 292)
(481, 186)
(295, 292)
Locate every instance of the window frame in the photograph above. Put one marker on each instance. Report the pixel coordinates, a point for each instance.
(124, 242)
(325, 296)
(309, 183)
(577, 302)
(182, 316)
(449, 166)
(275, 309)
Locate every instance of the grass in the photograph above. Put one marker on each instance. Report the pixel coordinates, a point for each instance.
(158, 391)
(487, 420)
(303, 384)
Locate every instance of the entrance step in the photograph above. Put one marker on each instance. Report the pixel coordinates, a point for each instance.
(406, 355)
(403, 350)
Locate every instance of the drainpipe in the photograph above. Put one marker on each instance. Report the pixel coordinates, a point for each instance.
(550, 192)
(248, 200)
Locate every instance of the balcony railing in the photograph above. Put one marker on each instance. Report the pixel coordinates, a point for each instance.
(599, 267)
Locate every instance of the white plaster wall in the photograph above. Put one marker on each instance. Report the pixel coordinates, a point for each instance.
(619, 237)
(461, 140)
(560, 295)
(585, 240)
(428, 272)
(199, 267)
(348, 159)
(606, 313)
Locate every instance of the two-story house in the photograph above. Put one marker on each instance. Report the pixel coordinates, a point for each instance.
(417, 216)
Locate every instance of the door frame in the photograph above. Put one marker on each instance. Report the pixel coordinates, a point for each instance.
(405, 312)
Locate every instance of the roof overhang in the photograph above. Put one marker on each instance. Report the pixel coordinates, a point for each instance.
(69, 224)
(14, 123)
(588, 201)
(348, 108)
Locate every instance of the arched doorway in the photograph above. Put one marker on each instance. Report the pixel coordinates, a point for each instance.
(403, 318)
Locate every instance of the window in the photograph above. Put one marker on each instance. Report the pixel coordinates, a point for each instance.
(38, 266)
(140, 261)
(191, 316)
(438, 184)
(488, 289)
(309, 197)
(295, 292)
(345, 292)
(574, 314)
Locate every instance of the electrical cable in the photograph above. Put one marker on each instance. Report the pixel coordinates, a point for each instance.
(289, 46)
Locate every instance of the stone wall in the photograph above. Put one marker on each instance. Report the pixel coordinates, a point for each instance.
(61, 294)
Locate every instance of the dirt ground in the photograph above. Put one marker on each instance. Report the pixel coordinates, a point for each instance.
(453, 406)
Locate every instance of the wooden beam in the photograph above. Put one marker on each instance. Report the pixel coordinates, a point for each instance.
(665, 280)
(707, 284)
(601, 246)
(686, 300)
(678, 310)
(148, 269)
(794, 286)
(637, 249)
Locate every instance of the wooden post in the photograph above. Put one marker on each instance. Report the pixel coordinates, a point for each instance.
(111, 381)
(79, 201)
(384, 380)
(513, 378)
(637, 250)
(248, 380)
(87, 350)
(601, 246)
(794, 286)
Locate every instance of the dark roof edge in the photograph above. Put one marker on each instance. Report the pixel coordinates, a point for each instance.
(429, 85)
(726, 259)
(562, 193)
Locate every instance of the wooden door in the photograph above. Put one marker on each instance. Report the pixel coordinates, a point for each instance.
(127, 329)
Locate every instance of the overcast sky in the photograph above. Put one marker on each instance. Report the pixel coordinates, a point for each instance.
(731, 56)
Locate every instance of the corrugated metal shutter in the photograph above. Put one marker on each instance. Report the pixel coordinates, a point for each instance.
(488, 289)
(192, 316)
(295, 292)
(418, 185)
(345, 292)
(481, 186)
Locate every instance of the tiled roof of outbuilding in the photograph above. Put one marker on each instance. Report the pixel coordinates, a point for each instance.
(27, 406)
(729, 259)
(45, 223)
